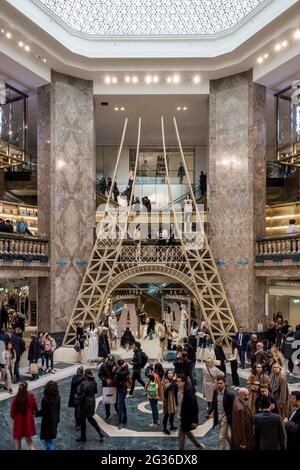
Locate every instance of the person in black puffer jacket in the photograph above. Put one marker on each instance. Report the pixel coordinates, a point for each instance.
(107, 374)
(87, 403)
(34, 352)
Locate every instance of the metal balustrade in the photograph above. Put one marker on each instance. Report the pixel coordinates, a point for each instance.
(23, 248)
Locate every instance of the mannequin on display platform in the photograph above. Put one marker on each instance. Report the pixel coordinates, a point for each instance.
(169, 318)
(182, 333)
(113, 329)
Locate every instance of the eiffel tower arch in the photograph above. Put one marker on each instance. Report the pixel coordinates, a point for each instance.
(116, 259)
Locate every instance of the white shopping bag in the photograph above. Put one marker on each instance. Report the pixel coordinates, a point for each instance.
(109, 395)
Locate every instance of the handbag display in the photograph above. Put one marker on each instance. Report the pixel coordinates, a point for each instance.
(33, 368)
(109, 395)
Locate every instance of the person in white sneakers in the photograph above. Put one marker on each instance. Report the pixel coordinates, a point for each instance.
(49, 348)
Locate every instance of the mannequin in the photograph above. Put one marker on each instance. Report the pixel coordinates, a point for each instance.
(169, 318)
(182, 333)
(113, 329)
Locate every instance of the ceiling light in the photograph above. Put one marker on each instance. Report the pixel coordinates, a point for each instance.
(44, 60)
(297, 34)
(169, 79)
(196, 79)
(148, 79)
(135, 79)
(122, 109)
(260, 60)
(2, 31)
(176, 79)
(107, 79)
(178, 108)
(116, 109)
(277, 47)
(27, 48)
(8, 35)
(156, 79)
(284, 43)
(114, 80)
(20, 44)
(127, 79)
(266, 56)
(184, 108)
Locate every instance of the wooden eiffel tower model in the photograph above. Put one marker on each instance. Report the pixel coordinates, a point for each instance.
(189, 261)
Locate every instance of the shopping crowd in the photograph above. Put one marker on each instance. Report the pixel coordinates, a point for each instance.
(261, 415)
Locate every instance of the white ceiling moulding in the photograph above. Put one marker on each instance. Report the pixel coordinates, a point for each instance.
(185, 46)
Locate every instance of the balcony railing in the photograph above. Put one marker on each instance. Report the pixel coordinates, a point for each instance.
(277, 248)
(23, 248)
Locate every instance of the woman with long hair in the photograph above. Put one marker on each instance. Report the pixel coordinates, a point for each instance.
(276, 356)
(169, 400)
(9, 364)
(22, 409)
(233, 359)
(280, 391)
(256, 379)
(86, 397)
(50, 411)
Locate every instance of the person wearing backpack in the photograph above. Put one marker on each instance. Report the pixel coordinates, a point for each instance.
(153, 389)
(139, 361)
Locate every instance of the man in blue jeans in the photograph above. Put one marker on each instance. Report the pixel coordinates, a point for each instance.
(122, 376)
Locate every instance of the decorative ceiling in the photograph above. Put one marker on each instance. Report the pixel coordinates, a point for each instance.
(152, 18)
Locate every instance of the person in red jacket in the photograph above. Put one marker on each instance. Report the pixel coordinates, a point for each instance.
(22, 410)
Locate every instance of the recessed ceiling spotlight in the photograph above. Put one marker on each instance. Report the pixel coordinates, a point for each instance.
(20, 43)
(266, 56)
(44, 60)
(135, 79)
(284, 43)
(148, 79)
(107, 79)
(116, 109)
(122, 109)
(176, 79)
(169, 79)
(178, 108)
(114, 80)
(297, 34)
(127, 79)
(8, 35)
(2, 31)
(277, 47)
(184, 108)
(27, 48)
(155, 79)
(260, 60)
(196, 79)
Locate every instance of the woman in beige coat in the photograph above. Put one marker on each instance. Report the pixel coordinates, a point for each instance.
(210, 375)
(280, 391)
(255, 380)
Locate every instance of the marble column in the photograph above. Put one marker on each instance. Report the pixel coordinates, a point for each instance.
(66, 193)
(237, 190)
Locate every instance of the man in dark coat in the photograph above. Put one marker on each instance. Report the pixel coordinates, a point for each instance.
(242, 437)
(3, 317)
(271, 334)
(293, 424)
(264, 392)
(137, 363)
(269, 428)
(241, 338)
(19, 347)
(187, 411)
(76, 381)
(251, 349)
(221, 407)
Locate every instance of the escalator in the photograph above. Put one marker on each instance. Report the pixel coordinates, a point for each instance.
(283, 183)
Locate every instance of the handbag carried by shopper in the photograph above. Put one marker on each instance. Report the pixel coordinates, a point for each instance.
(33, 368)
(109, 395)
(77, 346)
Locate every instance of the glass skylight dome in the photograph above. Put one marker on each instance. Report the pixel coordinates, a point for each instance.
(152, 18)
